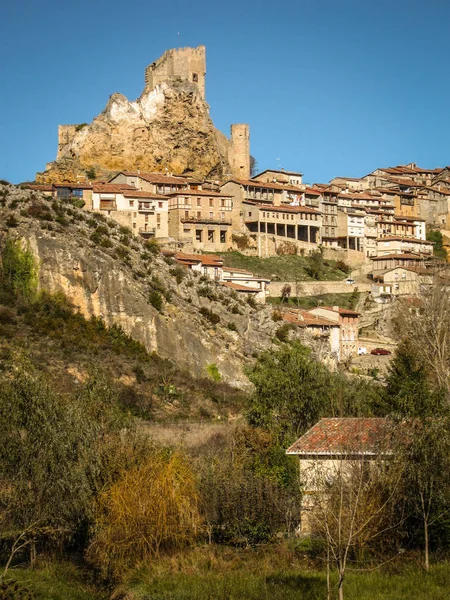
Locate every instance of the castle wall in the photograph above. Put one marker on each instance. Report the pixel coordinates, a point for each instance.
(239, 151)
(188, 64)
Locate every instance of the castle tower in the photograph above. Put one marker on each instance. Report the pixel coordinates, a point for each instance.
(187, 64)
(239, 153)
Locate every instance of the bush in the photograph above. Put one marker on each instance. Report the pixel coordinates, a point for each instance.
(251, 301)
(179, 273)
(282, 332)
(343, 266)
(151, 509)
(232, 326)
(213, 372)
(11, 221)
(156, 300)
(209, 315)
(152, 246)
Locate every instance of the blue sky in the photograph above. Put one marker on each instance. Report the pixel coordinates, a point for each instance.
(328, 87)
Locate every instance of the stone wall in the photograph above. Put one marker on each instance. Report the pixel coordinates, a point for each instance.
(316, 288)
(187, 64)
(239, 154)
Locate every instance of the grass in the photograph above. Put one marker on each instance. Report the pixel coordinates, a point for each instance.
(56, 581)
(282, 268)
(343, 300)
(275, 574)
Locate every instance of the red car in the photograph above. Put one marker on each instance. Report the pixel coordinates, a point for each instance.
(381, 351)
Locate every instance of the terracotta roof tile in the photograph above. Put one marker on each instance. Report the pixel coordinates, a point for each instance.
(238, 287)
(111, 188)
(141, 194)
(343, 436)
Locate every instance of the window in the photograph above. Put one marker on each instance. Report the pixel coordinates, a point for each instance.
(199, 201)
(211, 215)
(158, 218)
(223, 237)
(211, 236)
(198, 235)
(160, 204)
(134, 225)
(199, 215)
(134, 214)
(195, 77)
(186, 214)
(250, 213)
(211, 202)
(131, 203)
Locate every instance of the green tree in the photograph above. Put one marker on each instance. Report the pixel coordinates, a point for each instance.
(57, 452)
(18, 271)
(408, 391)
(435, 236)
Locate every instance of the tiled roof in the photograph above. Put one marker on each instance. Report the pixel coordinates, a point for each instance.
(73, 185)
(111, 188)
(270, 186)
(288, 208)
(303, 318)
(233, 270)
(160, 178)
(189, 192)
(208, 260)
(403, 239)
(341, 311)
(342, 437)
(281, 171)
(141, 194)
(38, 187)
(238, 287)
(402, 256)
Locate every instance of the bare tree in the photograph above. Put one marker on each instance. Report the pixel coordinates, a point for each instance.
(352, 507)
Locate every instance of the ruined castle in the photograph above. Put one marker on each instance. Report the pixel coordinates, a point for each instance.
(167, 129)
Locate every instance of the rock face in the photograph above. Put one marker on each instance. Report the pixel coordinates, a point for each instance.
(168, 129)
(113, 280)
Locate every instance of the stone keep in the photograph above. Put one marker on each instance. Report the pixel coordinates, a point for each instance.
(186, 64)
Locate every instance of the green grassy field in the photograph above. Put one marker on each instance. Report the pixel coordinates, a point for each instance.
(253, 576)
(342, 300)
(284, 268)
(295, 585)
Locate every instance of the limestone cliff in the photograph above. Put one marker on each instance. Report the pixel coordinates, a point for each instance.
(168, 129)
(107, 273)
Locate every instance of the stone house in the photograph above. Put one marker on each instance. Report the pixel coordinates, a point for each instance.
(156, 183)
(329, 209)
(271, 226)
(201, 219)
(73, 191)
(400, 281)
(399, 245)
(146, 214)
(331, 448)
(281, 176)
(385, 262)
(349, 327)
(240, 280)
(351, 228)
(318, 328)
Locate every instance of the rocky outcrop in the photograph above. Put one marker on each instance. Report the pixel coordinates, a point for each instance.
(106, 273)
(168, 129)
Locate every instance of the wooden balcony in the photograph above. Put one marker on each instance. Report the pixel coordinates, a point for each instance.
(108, 205)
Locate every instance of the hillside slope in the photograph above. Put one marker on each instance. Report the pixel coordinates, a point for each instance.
(107, 273)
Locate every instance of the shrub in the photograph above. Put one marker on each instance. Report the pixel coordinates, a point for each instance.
(282, 332)
(39, 211)
(343, 266)
(11, 221)
(241, 241)
(152, 246)
(251, 301)
(156, 300)
(206, 291)
(91, 173)
(62, 220)
(232, 326)
(18, 273)
(179, 273)
(151, 509)
(209, 315)
(213, 372)
(277, 316)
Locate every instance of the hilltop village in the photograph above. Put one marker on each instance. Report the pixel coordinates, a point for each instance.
(193, 205)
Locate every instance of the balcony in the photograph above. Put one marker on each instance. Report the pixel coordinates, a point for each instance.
(108, 205)
(147, 232)
(206, 221)
(147, 209)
